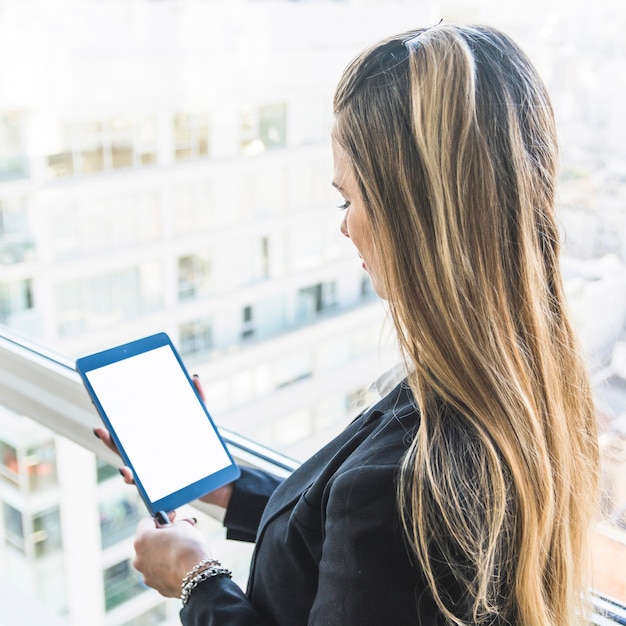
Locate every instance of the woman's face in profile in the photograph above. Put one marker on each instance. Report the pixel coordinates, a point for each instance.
(355, 224)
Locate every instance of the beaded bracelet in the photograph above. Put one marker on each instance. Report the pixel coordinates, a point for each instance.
(203, 571)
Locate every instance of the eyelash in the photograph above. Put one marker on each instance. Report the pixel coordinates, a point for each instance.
(344, 206)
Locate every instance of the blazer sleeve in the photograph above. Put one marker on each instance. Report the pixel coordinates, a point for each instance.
(250, 495)
(220, 601)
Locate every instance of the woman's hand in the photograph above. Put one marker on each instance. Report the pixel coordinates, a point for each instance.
(104, 436)
(219, 497)
(165, 554)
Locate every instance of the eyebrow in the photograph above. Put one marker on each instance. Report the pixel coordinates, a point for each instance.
(337, 186)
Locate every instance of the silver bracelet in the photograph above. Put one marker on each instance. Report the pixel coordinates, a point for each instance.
(209, 572)
(196, 569)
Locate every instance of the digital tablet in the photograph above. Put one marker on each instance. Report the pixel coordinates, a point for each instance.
(158, 421)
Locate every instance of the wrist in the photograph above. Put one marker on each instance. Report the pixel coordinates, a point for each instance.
(202, 571)
(220, 497)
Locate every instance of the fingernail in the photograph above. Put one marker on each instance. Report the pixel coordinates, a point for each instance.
(121, 473)
(95, 433)
(195, 376)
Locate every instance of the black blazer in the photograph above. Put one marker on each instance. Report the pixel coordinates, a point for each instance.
(329, 544)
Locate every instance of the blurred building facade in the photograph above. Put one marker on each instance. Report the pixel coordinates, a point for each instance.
(165, 166)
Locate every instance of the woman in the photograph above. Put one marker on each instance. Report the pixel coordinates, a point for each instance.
(466, 494)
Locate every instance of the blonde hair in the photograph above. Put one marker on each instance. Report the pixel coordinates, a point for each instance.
(451, 136)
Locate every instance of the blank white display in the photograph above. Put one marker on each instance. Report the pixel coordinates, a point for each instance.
(156, 414)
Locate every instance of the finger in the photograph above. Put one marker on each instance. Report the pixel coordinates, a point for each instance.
(127, 475)
(198, 385)
(104, 435)
(144, 525)
(190, 520)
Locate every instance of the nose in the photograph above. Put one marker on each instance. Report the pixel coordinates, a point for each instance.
(344, 225)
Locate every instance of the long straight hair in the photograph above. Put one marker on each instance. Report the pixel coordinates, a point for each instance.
(451, 136)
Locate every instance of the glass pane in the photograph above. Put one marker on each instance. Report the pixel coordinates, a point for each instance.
(16, 242)
(13, 525)
(121, 583)
(118, 519)
(105, 470)
(195, 337)
(182, 128)
(194, 276)
(92, 161)
(46, 535)
(60, 165)
(41, 466)
(182, 154)
(9, 461)
(273, 125)
(15, 297)
(122, 155)
(13, 161)
(88, 137)
(146, 140)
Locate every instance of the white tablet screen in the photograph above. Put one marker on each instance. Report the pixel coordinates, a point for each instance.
(156, 414)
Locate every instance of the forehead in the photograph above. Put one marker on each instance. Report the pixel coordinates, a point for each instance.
(343, 174)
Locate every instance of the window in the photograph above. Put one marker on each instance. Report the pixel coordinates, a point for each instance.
(82, 226)
(121, 137)
(145, 140)
(195, 337)
(41, 466)
(15, 297)
(46, 535)
(9, 462)
(13, 526)
(13, 163)
(260, 258)
(60, 152)
(101, 301)
(315, 300)
(247, 327)
(191, 135)
(121, 583)
(118, 519)
(92, 146)
(105, 470)
(263, 128)
(194, 275)
(16, 244)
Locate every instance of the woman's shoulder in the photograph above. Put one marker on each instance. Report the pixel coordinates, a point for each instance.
(384, 433)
